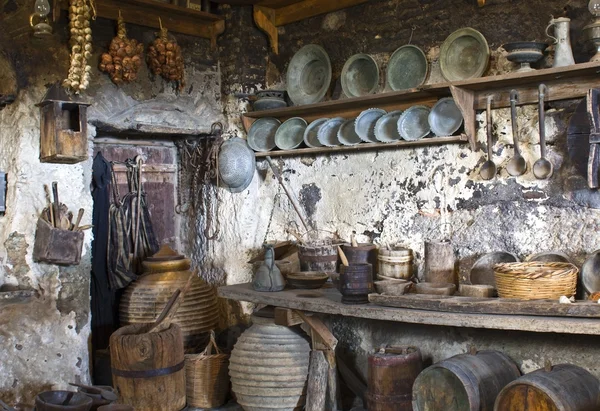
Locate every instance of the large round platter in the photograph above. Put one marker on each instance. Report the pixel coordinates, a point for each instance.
(309, 75)
(464, 55)
(261, 136)
(407, 68)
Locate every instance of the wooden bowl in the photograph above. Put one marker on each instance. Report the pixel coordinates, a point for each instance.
(435, 289)
(476, 290)
(53, 400)
(307, 280)
(391, 287)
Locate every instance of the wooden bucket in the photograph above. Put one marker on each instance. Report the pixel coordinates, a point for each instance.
(564, 387)
(392, 372)
(320, 256)
(356, 283)
(396, 262)
(364, 253)
(464, 382)
(148, 368)
(440, 263)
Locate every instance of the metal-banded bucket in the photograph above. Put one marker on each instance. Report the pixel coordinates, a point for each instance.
(321, 256)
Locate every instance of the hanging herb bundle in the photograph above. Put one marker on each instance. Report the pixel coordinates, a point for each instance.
(165, 59)
(80, 13)
(124, 57)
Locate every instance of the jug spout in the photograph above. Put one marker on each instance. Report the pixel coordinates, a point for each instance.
(563, 54)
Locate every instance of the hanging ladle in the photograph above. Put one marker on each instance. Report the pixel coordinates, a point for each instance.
(488, 169)
(517, 165)
(542, 168)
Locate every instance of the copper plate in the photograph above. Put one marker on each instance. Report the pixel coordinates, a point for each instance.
(464, 55)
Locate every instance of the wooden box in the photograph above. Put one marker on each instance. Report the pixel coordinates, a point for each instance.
(55, 246)
(63, 132)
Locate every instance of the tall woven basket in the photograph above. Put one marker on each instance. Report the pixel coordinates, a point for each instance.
(536, 280)
(207, 376)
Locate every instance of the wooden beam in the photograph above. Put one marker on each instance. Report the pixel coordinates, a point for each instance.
(320, 329)
(318, 375)
(174, 18)
(287, 317)
(263, 17)
(465, 99)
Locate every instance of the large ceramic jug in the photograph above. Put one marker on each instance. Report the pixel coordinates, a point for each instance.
(563, 54)
(269, 367)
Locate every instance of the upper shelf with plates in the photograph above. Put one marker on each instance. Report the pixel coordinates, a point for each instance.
(563, 83)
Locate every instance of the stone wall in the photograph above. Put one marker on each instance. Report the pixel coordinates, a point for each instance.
(405, 196)
(44, 341)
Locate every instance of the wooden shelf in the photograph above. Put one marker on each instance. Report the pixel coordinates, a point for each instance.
(563, 83)
(176, 19)
(328, 301)
(364, 147)
(270, 14)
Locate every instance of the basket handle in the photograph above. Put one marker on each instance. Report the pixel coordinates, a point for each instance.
(212, 343)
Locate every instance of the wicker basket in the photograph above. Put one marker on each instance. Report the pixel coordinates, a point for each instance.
(535, 280)
(207, 378)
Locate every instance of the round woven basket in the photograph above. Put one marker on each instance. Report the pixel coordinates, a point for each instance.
(207, 377)
(535, 280)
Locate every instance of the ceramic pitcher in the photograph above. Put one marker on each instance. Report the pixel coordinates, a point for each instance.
(563, 54)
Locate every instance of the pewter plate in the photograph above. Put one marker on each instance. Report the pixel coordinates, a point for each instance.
(365, 124)
(291, 133)
(464, 55)
(309, 75)
(261, 136)
(407, 68)
(360, 76)
(445, 117)
(413, 124)
(482, 271)
(268, 103)
(328, 132)
(347, 134)
(590, 273)
(312, 131)
(386, 128)
(550, 257)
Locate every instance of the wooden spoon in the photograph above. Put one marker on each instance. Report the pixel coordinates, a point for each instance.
(343, 257)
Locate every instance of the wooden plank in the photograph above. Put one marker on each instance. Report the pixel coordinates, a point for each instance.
(364, 147)
(464, 99)
(318, 374)
(320, 329)
(328, 301)
(176, 19)
(310, 8)
(287, 317)
(583, 309)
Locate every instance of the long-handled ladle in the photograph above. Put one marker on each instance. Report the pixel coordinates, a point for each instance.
(542, 168)
(517, 165)
(488, 169)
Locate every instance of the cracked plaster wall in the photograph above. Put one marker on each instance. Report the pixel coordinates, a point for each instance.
(405, 196)
(44, 343)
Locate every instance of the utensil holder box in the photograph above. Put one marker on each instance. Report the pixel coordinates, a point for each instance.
(55, 246)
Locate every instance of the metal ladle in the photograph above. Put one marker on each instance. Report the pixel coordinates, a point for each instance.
(488, 169)
(517, 165)
(542, 168)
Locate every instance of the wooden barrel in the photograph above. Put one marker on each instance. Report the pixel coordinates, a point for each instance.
(148, 368)
(564, 387)
(269, 367)
(356, 283)
(440, 263)
(465, 382)
(396, 262)
(392, 373)
(318, 257)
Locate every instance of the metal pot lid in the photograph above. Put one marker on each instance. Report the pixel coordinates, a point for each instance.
(360, 76)
(407, 68)
(365, 124)
(312, 131)
(309, 75)
(236, 164)
(482, 271)
(414, 123)
(261, 136)
(291, 133)
(347, 134)
(464, 55)
(328, 132)
(590, 273)
(445, 117)
(386, 128)
(550, 257)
